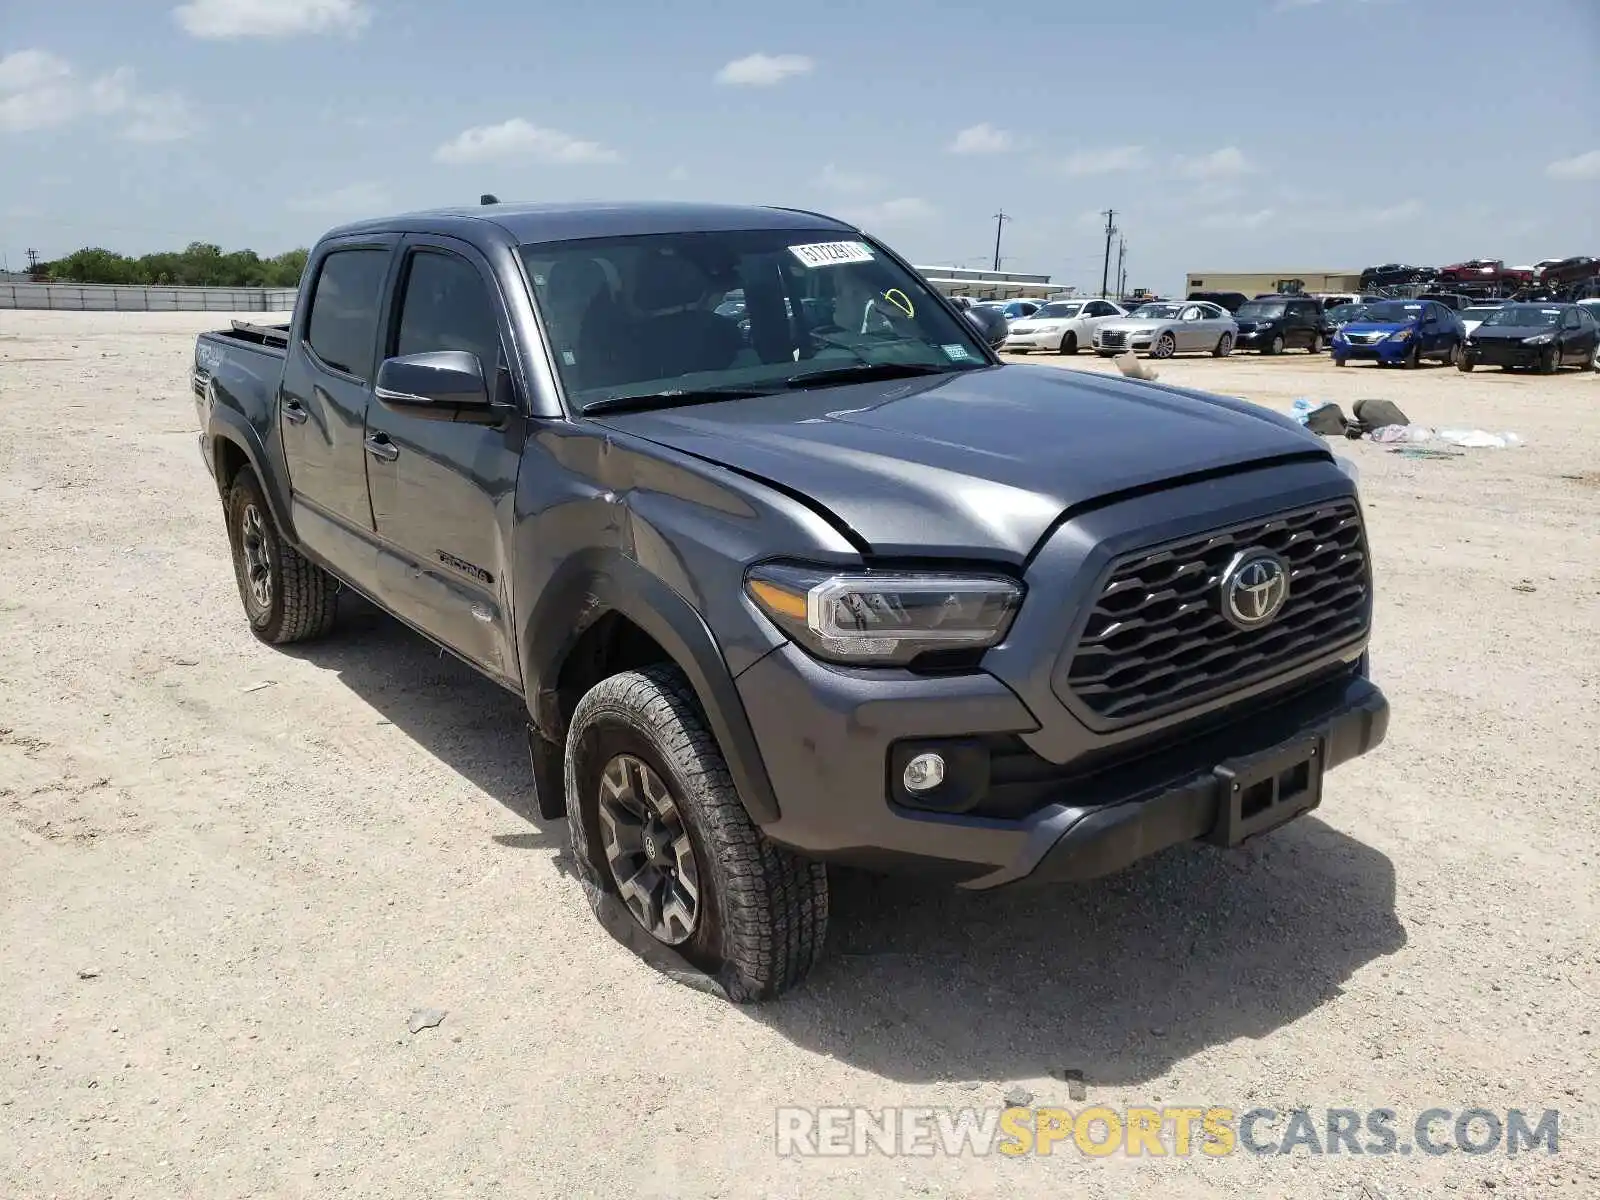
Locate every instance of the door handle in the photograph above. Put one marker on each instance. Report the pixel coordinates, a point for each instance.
(295, 413)
(379, 446)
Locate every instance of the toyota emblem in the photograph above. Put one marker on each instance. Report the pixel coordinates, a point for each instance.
(1254, 588)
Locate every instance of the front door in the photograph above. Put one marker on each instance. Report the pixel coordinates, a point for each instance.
(327, 384)
(443, 491)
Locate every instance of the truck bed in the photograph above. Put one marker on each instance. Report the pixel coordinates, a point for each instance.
(266, 337)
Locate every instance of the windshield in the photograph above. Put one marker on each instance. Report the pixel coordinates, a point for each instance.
(1257, 311)
(1524, 316)
(1157, 312)
(1393, 312)
(1058, 310)
(717, 310)
(1345, 312)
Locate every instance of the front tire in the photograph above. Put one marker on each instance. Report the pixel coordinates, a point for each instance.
(1339, 360)
(1549, 361)
(1224, 346)
(1166, 346)
(1069, 344)
(287, 598)
(1465, 363)
(1276, 346)
(1316, 344)
(688, 864)
(1413, 358)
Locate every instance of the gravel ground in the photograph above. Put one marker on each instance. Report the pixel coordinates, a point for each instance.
(230, 874)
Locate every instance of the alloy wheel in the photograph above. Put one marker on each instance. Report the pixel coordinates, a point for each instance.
(257, 557)
(648, 850)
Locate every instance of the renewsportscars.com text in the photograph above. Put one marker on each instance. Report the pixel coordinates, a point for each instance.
(1098, 1131)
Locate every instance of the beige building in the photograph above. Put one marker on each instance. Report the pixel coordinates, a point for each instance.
(1253, 283)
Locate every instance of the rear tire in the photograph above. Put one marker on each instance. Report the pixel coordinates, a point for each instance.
(760, 912)
(1069, 344)
(286, 596)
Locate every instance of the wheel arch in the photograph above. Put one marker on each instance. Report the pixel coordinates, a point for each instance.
(233, 445)
(601, 613)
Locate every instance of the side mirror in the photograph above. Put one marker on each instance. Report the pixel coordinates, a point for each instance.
(436, 386)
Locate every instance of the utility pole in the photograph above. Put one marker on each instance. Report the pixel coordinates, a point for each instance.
(1105, 267)
(1122, 270)
(1000, 220)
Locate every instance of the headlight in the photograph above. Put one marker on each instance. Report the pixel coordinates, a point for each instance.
(1539, 339)
(880, 617)
(1399, 335)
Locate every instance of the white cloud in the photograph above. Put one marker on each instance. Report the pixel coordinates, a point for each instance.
(847, 182)
(902, 211)
(1226, 163)
(1105, 161)
(226, 19)
(983, 138)
(517, 138)
(1583, 166)
(39, 90)
(764, 70)
(354, 198)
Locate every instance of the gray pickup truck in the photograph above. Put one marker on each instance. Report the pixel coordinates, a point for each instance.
(821, 582)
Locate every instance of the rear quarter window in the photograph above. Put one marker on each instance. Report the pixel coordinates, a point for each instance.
(343, 326)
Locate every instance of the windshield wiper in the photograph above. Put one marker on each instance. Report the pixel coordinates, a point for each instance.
(855, 372)
(671, 398)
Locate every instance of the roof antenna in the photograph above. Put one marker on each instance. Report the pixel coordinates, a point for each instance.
(488, 198)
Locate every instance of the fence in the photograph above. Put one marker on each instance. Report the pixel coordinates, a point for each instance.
(94, 297)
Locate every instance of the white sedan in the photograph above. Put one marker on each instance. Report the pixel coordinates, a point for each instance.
(1061, 326)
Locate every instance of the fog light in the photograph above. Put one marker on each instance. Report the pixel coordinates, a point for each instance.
(923, 773)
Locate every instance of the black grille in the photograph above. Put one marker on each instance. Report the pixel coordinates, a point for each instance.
(1112, 337)
(1157, 641)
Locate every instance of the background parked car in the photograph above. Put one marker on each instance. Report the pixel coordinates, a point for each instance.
(1451, 300)
(1169, 328)
(1272, 324)
(1062, 326)
(1545, 336)
(1337, 317)
(1228, 300)
(1401, 332)
(1474, 316)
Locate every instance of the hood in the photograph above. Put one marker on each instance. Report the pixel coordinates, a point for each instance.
(1376, 326)
(977, 464)
(1032, 324)
(1512, 333)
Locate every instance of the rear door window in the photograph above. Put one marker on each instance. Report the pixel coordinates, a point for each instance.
(343, 326)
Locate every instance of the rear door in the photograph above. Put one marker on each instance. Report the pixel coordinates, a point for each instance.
(327, 385)
(443, 491)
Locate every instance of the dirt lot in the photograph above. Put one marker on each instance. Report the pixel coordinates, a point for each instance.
(229, 874)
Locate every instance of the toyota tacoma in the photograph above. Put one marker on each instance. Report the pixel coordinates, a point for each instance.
(837, 586)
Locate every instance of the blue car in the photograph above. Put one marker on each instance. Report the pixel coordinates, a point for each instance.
(1402, 332)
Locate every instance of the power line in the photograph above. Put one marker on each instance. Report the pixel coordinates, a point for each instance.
(1000, 219)
(1105, 266)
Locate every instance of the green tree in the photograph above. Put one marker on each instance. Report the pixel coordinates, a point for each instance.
(200, 264)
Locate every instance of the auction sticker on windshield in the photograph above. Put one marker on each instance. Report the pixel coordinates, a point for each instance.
(831, 254)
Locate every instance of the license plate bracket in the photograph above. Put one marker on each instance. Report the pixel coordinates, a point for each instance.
(1263, 791)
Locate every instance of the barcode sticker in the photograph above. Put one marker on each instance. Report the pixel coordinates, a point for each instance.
(831, 254)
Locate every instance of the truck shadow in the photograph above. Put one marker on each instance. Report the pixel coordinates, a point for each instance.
(462, 719)
(1118, 979)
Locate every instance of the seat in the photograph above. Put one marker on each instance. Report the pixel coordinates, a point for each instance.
(676, 334)
(578, 292)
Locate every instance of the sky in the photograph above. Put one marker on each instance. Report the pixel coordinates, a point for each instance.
(1229, 135)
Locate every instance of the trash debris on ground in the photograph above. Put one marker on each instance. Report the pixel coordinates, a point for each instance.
(1018, 1097)
(1322, 417)
(1389, 434)
(1424, 452)
(1478, 439)
(425, 1018)
(1128, 363)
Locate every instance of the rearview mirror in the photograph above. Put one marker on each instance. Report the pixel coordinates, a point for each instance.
(437, 385)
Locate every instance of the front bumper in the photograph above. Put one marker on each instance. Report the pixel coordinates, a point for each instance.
(1032, 341)
(835, 770)
(1506, 354)
(1384, 352)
